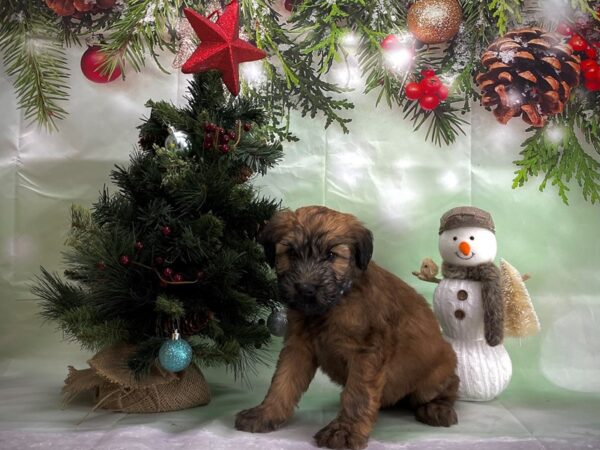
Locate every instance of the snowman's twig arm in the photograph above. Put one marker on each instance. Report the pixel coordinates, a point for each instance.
(422, 277)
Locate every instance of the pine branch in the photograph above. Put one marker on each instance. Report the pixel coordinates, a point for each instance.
(506, 11)
(34, 56)
(562, 160)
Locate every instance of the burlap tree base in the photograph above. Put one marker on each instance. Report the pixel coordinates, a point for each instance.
(116, 389)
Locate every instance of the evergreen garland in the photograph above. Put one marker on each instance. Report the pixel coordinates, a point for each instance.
(123, 263)
(302, 49)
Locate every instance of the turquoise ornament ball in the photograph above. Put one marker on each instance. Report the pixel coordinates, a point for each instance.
(175, 355)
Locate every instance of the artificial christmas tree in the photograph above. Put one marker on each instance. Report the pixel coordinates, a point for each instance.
(175, 247)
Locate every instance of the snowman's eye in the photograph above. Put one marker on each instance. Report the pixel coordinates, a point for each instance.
(472, 238)
(454, 238)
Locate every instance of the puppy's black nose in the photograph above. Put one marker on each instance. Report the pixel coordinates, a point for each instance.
(306, 289)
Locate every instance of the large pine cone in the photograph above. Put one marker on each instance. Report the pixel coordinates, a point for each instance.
(530, 72)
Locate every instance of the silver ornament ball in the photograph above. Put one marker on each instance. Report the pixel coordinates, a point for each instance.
(277, 322)
(178, 140)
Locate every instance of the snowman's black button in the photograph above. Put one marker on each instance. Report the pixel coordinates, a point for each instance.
(459, 314)
(462, 295)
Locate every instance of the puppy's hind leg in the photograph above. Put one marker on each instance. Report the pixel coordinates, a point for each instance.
(434, 405)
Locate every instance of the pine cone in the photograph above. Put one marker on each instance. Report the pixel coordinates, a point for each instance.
(244, 174)
(530, 72)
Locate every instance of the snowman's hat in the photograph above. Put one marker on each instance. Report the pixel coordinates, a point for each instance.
(466, 216)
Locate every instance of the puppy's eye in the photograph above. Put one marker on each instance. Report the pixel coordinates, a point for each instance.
(454, 238)
(330, 256)
(472, 238)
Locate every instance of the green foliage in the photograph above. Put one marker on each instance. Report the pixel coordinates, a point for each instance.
(505, 11)
(561, 159)
(35, 58)
(213, 220)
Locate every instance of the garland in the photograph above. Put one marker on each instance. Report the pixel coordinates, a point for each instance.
(303, 45)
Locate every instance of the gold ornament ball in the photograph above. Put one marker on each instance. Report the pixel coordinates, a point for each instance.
(434, 21)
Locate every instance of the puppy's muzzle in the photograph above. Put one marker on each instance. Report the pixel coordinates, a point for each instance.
(306, 291)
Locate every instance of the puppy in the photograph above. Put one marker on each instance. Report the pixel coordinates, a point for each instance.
(365, 328)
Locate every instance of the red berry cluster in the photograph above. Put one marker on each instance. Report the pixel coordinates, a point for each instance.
(588, 53)
(430, 91)
(220, 139)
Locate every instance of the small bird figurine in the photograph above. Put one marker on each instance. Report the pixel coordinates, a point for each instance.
(428, 272)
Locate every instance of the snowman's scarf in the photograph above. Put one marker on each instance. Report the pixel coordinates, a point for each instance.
(491, 294)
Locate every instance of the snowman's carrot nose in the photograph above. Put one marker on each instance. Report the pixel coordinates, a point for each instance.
(464, 248)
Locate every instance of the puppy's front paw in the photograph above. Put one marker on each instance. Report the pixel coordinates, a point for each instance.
(340, 434)
(258, 420)
(436, 414)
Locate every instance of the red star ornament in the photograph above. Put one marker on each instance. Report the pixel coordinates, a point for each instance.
(220, 46)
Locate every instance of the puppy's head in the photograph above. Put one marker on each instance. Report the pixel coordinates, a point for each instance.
(316, 252)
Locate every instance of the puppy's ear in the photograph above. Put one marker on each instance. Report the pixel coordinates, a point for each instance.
(274, 231)
(364, 247)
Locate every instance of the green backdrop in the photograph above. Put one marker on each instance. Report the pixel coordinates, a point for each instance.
(388, 176)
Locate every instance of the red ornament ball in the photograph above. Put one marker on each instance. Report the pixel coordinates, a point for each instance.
(413, 91)
(124, 260)
(429, 102)
(578, 43)
(91, 60)
(587, 63)
(166, 230)
(431, 85)
(391, 43)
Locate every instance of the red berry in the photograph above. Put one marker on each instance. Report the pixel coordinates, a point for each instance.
(426, 73)
(225, 138)
(231, 135)
(166, 230)
(564, 29)
(139, 246)
(429, 102)
(177, 277)
(443, 92)
(289, 5)
(167, 272)
(591, 73)
(413, 91)
(592, 85)
(591, 52)
(159, 261)
(209, 127)
(247, 127)
(578, 43)
(124, 260)
(431, 85)
(390, 43)
(208, 137)
(101, 265)
(224, 148)
(588, 63)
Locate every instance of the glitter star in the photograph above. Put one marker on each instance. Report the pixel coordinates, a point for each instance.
(220, 46)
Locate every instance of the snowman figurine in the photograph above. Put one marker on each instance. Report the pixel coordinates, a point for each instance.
(468, 302)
